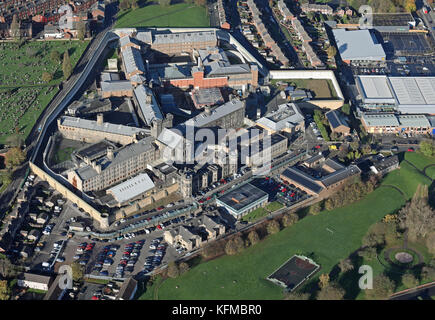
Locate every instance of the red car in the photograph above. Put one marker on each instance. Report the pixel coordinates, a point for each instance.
(317, 147)
(159, 227)
(95, 298)
(208, 198)
(410, 149)
(160, 208)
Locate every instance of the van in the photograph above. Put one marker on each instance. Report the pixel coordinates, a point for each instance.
(45, 264)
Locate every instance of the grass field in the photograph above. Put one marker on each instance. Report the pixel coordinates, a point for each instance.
(176, 15)
(23, 94)
(262, 212)
(327, 238)
(322, 88)
(63, 155)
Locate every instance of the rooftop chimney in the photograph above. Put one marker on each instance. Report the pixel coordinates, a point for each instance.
(110, 153)
(100, 119)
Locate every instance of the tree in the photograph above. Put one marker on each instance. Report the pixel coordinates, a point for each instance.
(289, 219)
(331, 51)
(323, 280)
(14, 157)
(427, 273)
(47, 77)
(66, 65)
(409, 280)
(230, 248)
(410, 6)
(55, 56)
(15, 28)
(383, 288)
(77, 272)
(81, 30)
(297, 296)
(234, 246)
(173, 271)
(417, 216)
(368, 253)
(4, 290)
(200, 3)
(375, 236)
(332, 291)
(315, 209)
(7, 179)
(272, 227)
(183, 267)
(253, 237)
(430, 243)
(165, 3)
(7, 268)
(427, 148)
(346, 108)
(345, 265)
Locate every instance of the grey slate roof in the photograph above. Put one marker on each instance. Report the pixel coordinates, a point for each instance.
(288, 115)
(132, 60)
(93, 125)
(150, 111)
(120, 85)
(336, 119)
(120, 156)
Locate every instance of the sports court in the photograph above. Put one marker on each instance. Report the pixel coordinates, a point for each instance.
(294, 272)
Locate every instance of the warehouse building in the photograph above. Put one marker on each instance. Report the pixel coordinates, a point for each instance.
(388, 123)
(413, 95)
(358, 46)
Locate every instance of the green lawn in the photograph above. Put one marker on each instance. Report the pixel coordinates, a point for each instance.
(322, 88)
(23, 94)
(419, 160)
(255, 215)
(63, 155)
(177, 15)
(243, 276)
(273, 206)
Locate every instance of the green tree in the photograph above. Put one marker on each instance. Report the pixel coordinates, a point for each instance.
(77, 272)
(66, 65)
(427, 148)
(297, 296)
(55, 56)
(346, 108)
(368, 253)
(7, 268)
(234, 246)
(383, 288)
(272, 227)
(81, 30)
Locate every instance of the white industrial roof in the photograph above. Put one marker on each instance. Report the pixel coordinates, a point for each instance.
(131, 188)
(375, 88)
(358, 45)
(380, 120)
(414, 90)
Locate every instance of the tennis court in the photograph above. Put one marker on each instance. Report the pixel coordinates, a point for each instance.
(294, 272)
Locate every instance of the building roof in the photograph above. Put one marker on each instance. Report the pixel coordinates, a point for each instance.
(127, 289)
(380, 120)
(38, 278)
(288, 115)
(132, 60)
(375, 89)
(104, 127)
(241, 197)
(119, 156)
(147, 104)
(413, 120)
(339, 175)
(302, 179)
(386, 162)
(131, 188)
(204, 119)
(414, 90)
(207, 96)
(336, 119)
(119, 85)
(358, 45)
